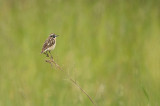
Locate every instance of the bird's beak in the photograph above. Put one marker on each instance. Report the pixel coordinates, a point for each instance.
(56, 35)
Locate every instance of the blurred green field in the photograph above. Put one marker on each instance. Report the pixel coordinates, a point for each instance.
(110, 47)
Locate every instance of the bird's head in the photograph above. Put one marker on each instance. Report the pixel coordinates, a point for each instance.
(53, 35)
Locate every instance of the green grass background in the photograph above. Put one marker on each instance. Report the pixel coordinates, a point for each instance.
(110, 47)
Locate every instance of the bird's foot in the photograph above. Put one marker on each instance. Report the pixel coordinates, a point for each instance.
(51, 55)
(46, 53)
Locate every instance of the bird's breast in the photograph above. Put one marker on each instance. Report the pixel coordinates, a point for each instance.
(52, 47)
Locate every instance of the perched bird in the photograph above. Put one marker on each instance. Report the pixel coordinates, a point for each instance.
(49, 44)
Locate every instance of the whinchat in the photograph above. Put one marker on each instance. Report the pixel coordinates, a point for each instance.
(49, 44)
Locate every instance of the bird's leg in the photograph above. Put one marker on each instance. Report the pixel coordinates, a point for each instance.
(46, 53)
(50, 55)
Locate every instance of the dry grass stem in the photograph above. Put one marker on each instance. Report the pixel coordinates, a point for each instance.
(51, 61)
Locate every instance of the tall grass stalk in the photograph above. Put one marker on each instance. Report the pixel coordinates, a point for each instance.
(51, 61)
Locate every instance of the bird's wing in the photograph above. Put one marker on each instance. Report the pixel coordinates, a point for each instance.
(48, 43)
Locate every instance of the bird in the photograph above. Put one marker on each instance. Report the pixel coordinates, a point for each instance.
(49, 44)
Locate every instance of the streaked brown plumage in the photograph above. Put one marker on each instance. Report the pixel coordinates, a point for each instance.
(50, 43)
